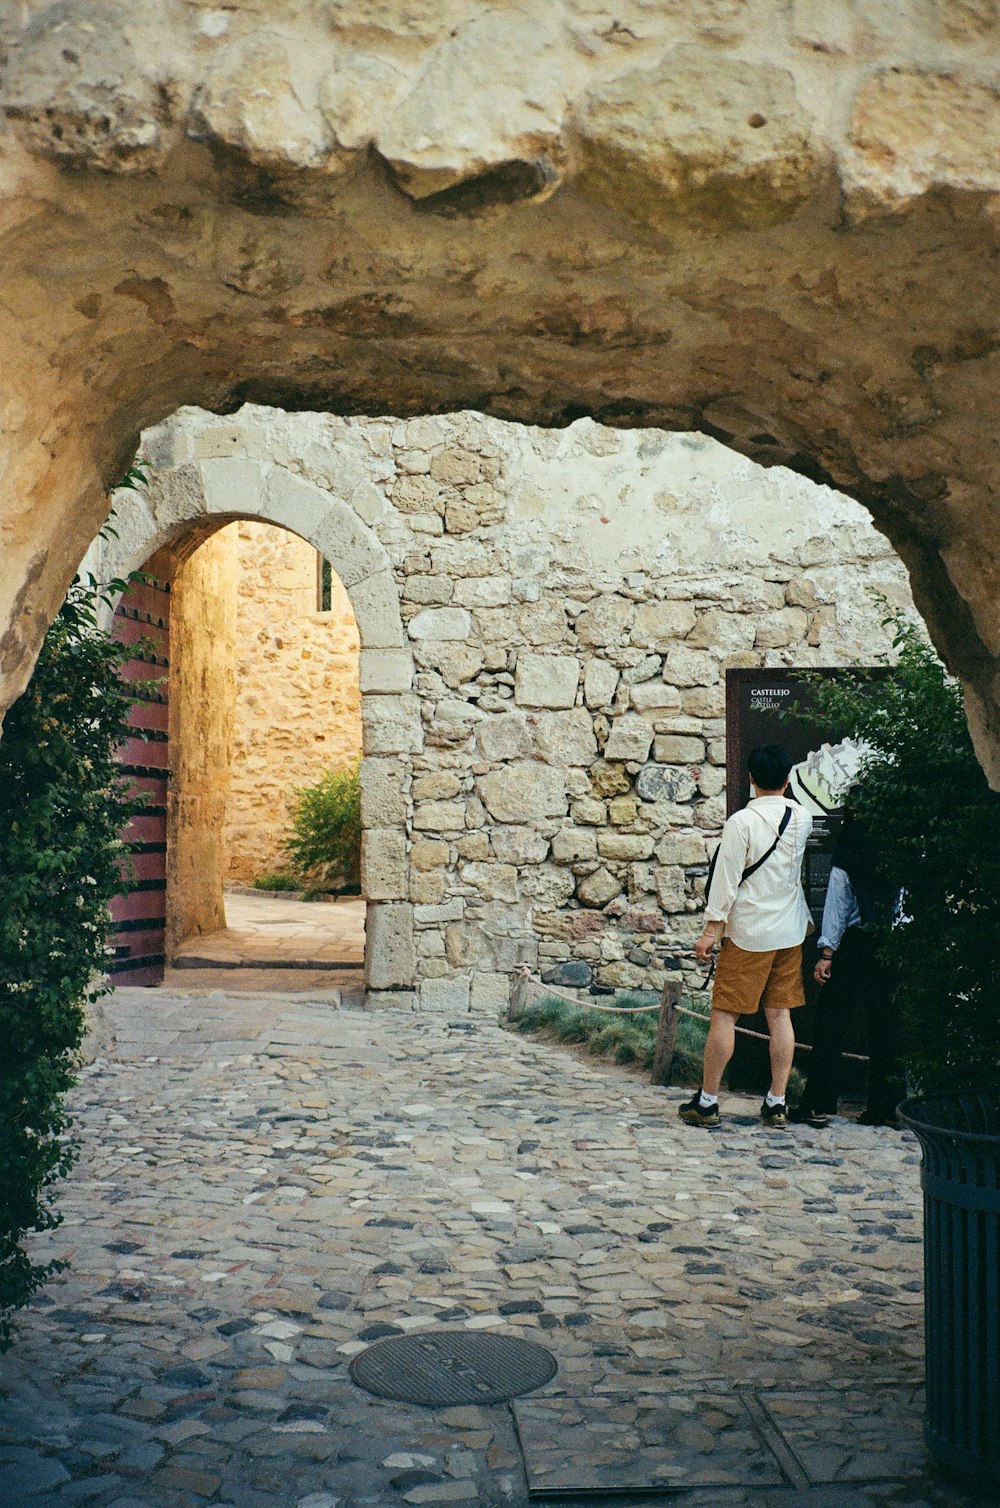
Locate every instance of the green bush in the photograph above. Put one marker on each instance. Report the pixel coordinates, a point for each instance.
(934, 825)
(63, 806)
(325, 847)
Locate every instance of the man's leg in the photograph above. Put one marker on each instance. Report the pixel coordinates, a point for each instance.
(703, 1108)
(833, 1011)
(779, 1025)
(783, 993)
(739, 981)
(719, 1046)
(846, 993)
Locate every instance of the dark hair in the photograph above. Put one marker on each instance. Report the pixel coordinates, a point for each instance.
(848, 845)
(770, 765)
(855, 853)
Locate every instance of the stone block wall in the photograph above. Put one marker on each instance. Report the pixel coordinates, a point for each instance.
(573, 600)
(202, 706)
(545, 617)
(298, 697)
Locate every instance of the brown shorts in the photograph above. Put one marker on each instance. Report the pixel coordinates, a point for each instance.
(744, 980)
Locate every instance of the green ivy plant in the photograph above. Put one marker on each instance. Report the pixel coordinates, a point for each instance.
(325, 845)
(63, 808)
(924, 804)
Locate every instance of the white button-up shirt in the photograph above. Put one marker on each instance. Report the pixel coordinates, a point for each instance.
(769, 909)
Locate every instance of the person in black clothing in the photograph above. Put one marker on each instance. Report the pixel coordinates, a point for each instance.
(851, 975)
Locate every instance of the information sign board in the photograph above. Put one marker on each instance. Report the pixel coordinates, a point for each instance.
(824, 760)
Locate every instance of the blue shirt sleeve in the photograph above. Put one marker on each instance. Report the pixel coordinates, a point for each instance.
(840, 910)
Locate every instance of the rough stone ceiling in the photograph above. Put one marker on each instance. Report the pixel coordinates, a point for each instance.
(772, 221)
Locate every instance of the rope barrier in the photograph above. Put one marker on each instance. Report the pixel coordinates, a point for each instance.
(585, 1005)
(640, 1010)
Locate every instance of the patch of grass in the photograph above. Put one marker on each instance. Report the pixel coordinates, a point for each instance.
(277, 882)
(336, 892)
(621, 1039)
(630, 1039)
(689, 1049)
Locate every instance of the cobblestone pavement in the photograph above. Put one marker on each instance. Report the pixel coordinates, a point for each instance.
(268, 1185)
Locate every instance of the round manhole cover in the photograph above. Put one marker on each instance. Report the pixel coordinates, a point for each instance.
(453, 1366)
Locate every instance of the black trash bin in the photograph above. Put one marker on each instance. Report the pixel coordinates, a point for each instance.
(960, 1138)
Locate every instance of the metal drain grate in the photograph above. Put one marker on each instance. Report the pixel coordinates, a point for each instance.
(453, 1366)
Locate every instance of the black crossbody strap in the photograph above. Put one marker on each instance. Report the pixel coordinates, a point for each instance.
(752, 868)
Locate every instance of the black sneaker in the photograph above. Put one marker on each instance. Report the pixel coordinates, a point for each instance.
(697, 1114)
(774, 1115)
(803, 1116)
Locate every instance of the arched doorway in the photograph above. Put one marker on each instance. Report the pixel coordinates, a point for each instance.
(162, 534)
(298, 700)
(544, 763)
(256, 646)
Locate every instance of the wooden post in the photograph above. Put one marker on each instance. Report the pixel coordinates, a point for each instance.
(518, 995)
(666, 1033)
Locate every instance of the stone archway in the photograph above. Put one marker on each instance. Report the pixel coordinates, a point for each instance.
(186, 505)
(553, 613)
(776, 225)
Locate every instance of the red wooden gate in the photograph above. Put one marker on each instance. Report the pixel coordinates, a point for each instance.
(140, 916)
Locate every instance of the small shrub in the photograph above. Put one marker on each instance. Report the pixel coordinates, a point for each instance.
(325, 847)
(277, 882)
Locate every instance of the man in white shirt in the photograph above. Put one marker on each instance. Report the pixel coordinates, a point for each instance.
(756, 896)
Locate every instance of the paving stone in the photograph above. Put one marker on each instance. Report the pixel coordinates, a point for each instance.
(523, 1190)
(84, 1490)
(202, 1483)
(140, 1458)
(180, 1430)
(259, 1377)
(23, 1479)
(441, 1492)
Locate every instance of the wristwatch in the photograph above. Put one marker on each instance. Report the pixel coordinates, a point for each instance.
(826, 953)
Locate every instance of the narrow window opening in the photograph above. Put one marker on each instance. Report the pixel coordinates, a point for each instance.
(324, 585)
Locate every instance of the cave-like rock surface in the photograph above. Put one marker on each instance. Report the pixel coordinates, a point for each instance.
(774, 222)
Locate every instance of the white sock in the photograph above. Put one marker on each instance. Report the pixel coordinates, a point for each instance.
(707, 1100)
(774, 1099)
